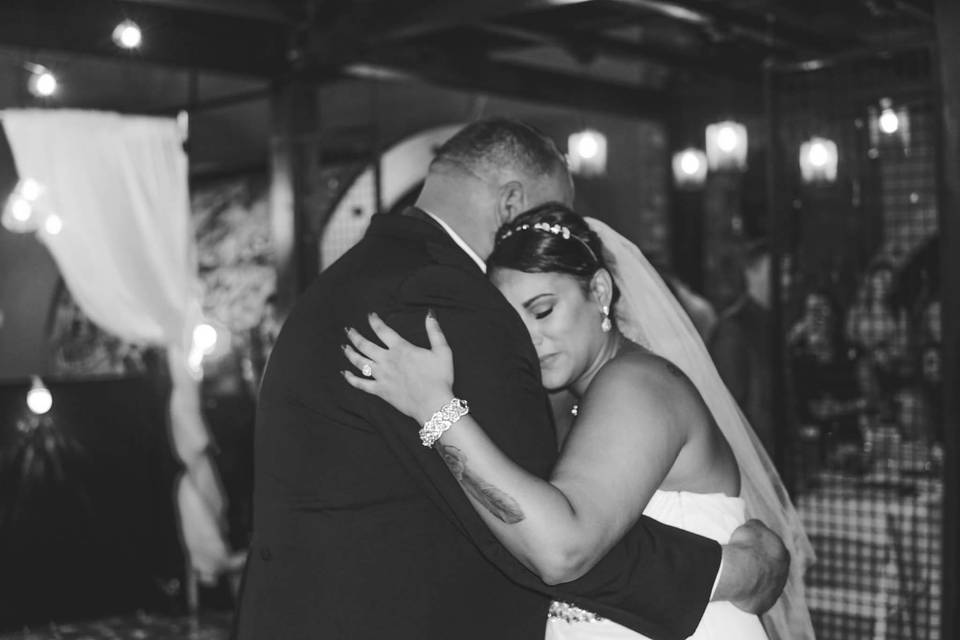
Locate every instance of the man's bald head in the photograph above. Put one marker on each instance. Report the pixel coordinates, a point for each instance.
(489, 173)
(496, 145)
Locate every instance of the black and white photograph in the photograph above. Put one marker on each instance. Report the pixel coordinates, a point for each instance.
(479, 319)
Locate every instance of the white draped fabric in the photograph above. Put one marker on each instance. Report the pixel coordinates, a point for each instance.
(126, 252)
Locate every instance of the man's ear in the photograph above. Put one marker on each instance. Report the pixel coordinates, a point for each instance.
(511, 201)
(601, 287)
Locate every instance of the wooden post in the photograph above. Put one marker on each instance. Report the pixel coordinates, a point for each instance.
(947, 20)
(779, 245)
(686, 205)
(294, 165)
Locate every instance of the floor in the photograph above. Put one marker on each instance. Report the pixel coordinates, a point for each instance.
(141, 626)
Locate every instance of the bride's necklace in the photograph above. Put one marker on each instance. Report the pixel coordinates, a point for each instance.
(575, 409)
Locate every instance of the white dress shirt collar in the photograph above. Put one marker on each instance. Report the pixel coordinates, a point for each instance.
(459, 241)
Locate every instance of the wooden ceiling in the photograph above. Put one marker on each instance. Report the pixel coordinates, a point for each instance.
(622, 56)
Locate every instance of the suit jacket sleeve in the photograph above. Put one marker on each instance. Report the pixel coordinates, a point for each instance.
(657, 580)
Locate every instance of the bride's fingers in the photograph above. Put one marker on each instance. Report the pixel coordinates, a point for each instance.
(356, 358)
(386, 334)
(434, 332)
(364, 384)
(364, 346)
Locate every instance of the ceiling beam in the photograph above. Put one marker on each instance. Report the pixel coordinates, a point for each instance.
(253, 9)
(173, 38)
(585, 44)
(769, 30)
(445, 15)
(517, 81)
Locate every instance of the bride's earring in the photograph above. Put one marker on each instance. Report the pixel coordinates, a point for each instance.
(605, 324)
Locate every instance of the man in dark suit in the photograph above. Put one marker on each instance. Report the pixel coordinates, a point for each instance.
(359, 531)
(741, 345)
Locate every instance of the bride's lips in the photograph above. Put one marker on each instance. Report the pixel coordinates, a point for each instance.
(547, 359)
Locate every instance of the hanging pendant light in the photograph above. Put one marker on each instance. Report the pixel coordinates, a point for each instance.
(689, 168)
(818, 160)
(889, 124)
(587, 153)
(726, 146)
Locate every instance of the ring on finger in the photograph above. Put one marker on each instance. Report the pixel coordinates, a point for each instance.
(367, 370)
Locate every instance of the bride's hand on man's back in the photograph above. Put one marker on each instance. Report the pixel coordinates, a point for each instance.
(416, 381)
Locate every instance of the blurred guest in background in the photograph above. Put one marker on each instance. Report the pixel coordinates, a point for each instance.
(931, 384)
(698, 308)
(880, 332)
(823, 370)
(741, 344)
(262, 338)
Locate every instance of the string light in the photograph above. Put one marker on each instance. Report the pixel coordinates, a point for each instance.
(127, 35)
(21, 213)
(30, 189)
(20, 209)
(42, 82)
(18, 215)
(205, 338)
(39, 398)
(53, 225)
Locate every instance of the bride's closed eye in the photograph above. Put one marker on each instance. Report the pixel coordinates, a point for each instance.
(541, 306)
(542, 313)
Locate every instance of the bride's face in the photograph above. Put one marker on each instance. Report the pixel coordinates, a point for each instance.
(563, 320)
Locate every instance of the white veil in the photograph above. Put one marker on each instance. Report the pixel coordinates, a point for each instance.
(648, 314)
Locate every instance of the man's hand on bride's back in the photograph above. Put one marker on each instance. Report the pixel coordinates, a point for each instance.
(755, 568)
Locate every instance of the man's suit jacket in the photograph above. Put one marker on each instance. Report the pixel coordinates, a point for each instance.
(361, 532)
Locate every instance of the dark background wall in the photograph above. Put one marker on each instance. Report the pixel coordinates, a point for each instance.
(28, 280)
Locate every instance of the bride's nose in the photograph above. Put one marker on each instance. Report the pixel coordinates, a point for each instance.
(535, 335)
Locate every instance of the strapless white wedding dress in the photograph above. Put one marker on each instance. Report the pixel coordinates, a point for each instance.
(713, 515)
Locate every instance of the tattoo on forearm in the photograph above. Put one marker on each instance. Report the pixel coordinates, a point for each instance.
(500, 504)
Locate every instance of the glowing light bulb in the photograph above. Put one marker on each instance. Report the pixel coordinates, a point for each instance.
(42, 84)
(30, 189)
(588, 147)
(39, 398)
(818, 154)
(21, 209)
(727, 139)
(889, 122)
(689, 163)
(204, 337)
(53, 224)
(127, 35)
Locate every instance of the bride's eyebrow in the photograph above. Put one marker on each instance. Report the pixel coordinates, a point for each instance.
(529, 303)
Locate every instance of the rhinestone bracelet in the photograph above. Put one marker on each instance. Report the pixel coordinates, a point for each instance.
(443, 420)
(571, 613)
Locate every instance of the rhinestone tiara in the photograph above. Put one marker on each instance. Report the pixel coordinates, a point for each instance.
(555, 229)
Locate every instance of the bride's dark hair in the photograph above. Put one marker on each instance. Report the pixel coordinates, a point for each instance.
(550, 238)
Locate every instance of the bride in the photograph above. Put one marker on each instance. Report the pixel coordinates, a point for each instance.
(655, 432)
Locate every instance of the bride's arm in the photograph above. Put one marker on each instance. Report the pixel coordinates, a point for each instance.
(623, 444)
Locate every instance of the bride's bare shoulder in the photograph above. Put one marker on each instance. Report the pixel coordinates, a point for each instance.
(642, 373)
